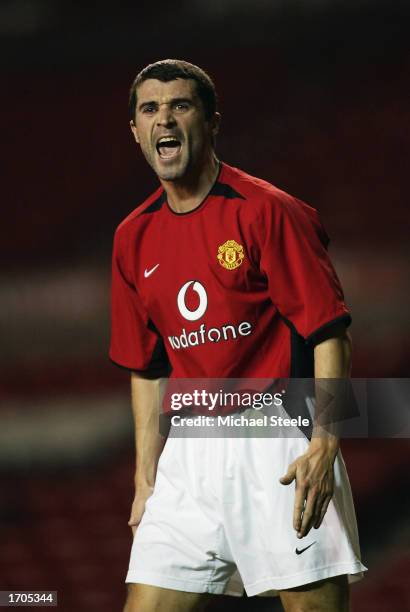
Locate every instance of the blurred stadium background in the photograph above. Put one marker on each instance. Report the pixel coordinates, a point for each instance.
(314, 96)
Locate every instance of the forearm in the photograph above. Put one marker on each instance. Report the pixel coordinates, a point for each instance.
(333, 356)
(332, 361)
(146, 398)
(313, 471)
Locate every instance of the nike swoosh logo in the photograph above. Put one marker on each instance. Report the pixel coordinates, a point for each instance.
(149, 272)
(299, 551)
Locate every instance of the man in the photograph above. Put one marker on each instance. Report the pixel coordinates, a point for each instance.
(221, 275)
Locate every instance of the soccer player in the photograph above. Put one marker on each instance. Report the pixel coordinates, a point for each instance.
(219, 274)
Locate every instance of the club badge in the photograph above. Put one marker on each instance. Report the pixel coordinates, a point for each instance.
(230, 254)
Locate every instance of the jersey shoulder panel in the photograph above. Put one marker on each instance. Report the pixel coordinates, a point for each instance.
(152, 204)
(266, 198)
(256, 190)
(131, 230)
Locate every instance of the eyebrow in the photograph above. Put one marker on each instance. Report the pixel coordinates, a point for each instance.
(149, 103)
(172, 101)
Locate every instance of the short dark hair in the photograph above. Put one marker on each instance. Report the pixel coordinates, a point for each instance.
(169, 70)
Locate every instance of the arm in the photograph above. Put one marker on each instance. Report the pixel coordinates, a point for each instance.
(146, 397)
(313, 471)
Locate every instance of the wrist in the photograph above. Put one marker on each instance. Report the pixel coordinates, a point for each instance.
(328, 444)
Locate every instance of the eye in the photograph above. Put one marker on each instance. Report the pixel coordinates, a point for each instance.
(182, 106)
(149, 109)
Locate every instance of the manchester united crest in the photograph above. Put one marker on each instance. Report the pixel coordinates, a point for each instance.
(230, 254)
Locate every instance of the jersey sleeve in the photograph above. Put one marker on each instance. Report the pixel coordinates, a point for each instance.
(135, 342)
(302, 281)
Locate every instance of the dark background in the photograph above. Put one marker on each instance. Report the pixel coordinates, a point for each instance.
(314, 97)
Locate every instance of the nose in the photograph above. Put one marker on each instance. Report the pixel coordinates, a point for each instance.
(165, 117)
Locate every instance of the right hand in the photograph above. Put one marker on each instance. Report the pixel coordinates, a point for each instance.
(138, 507)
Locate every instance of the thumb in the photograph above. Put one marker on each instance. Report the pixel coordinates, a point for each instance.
(289, 476)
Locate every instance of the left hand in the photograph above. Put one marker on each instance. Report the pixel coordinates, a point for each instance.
(313, 472)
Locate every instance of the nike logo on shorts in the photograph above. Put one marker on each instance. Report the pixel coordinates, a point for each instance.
(149, 272)
(299, 551)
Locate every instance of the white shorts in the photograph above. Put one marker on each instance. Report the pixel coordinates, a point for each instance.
(219, 521)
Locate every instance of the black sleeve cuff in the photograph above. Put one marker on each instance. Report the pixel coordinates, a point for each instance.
(325, 331)
(158, 367)
(150, 373)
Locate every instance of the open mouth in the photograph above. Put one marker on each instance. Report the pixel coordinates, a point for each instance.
(168, 147)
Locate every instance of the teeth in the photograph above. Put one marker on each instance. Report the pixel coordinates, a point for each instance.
(167, 139)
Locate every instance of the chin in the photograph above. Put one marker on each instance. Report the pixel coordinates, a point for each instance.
(170, 174)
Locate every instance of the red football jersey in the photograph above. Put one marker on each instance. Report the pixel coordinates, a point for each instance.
(238, 287)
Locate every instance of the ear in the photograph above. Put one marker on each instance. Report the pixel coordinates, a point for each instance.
(134, 131)
(215, 123)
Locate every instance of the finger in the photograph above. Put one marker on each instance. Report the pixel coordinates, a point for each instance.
(289, 476)
(320, 500)
(308, 513)
(323, 511)
(300, 497)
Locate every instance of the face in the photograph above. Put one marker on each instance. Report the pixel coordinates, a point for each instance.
(171, 128)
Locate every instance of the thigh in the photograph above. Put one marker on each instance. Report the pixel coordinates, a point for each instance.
(330, 595)
(146, 598)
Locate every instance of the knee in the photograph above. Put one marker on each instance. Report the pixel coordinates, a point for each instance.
(312, 606)
(330, 595)
(306, 607)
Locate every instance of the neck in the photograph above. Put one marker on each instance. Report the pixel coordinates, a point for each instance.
(187, 193)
